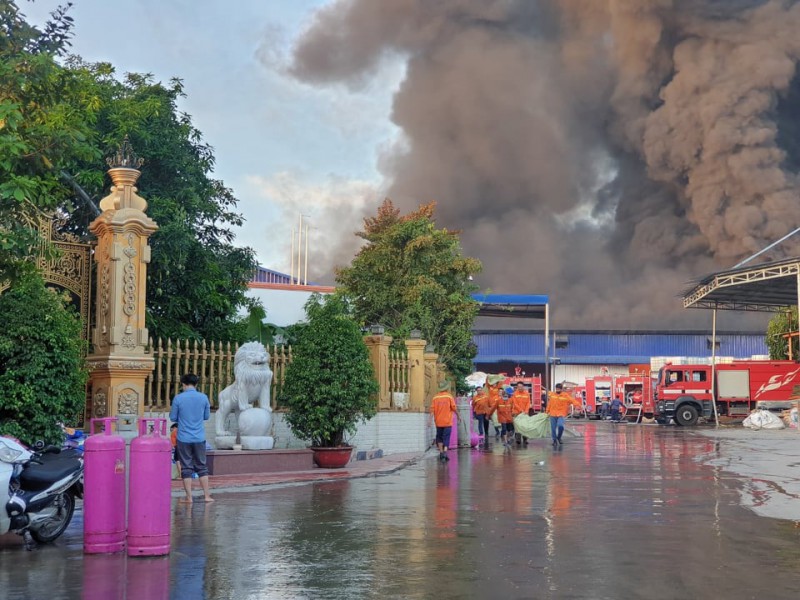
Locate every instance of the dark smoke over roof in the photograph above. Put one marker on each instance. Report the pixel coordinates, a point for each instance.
(600, 151)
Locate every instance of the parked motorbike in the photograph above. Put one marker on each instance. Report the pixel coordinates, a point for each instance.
(38, 489)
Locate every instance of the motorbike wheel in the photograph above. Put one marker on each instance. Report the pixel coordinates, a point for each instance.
(49, 530)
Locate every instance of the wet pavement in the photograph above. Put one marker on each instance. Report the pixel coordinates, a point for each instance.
(620, 512)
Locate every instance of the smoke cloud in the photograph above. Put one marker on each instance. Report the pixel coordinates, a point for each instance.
(604, 152)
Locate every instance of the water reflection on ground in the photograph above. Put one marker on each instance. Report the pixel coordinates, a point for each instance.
(619, 512)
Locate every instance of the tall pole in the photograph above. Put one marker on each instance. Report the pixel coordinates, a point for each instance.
(299, 246)
(714, 364)
(291, 269)
(797, 404)
(547, 347)
(305, 270)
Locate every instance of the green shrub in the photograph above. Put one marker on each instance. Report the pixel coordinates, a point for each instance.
(330, 384)
(42, 369)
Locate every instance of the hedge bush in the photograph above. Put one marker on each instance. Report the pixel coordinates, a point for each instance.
(42, 368)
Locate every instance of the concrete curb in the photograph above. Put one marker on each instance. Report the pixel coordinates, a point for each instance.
(255, 483)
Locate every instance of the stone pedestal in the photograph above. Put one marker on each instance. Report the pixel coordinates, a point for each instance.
(253, 425)
(378, 346)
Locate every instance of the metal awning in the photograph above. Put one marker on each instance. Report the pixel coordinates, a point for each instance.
(512, 305)
(767, 287)
(519, 306)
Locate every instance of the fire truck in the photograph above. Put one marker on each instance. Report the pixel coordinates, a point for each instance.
(533, 385)
(598, 389)
(635, 391)
(684, 392)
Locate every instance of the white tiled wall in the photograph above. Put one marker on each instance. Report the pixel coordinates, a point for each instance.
(392, 432)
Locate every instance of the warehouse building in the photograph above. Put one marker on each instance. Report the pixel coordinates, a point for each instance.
(577, 354)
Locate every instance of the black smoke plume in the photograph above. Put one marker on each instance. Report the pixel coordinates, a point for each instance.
(602, 151)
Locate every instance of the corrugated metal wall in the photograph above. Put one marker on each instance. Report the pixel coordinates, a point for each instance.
(610, 347)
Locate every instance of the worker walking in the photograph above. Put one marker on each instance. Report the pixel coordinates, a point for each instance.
(558, 404)
(443, 407)
(520, 404)
(505, 417)
(480, 406)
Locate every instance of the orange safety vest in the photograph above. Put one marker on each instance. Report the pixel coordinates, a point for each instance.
(521, 402)
(504, 410)
(558, 404)
(443, 407)
(480, 404)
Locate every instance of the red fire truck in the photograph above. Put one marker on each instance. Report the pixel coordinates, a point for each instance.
(684, 392)
(635, 391)
(598, 389)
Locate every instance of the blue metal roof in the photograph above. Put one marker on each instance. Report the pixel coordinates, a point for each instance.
(610, 347)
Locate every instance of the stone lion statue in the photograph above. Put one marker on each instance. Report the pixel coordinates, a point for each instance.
(252, 379)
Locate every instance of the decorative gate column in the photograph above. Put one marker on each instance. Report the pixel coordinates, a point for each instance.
(118, 363)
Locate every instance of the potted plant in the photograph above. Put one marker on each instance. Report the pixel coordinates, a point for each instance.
(330, 384)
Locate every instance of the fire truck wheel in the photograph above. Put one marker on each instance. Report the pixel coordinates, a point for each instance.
(686, 415)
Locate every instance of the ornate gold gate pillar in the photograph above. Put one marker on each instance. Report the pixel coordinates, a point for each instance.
(118, 363)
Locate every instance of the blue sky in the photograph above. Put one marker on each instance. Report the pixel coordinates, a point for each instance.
(283, 146)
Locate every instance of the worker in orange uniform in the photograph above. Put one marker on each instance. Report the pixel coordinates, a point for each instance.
(480, 406)
(443, 407)
(505, 417)
(558, 404)
(520, 405)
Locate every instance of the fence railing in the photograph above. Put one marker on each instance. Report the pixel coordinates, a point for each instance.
(398, 370)
(212, 362)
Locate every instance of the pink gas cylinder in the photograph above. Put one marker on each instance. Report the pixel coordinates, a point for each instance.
(150, 490)
(104, 490)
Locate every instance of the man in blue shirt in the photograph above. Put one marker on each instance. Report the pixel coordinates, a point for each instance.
(190, 410)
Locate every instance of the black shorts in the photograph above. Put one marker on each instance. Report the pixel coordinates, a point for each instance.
(192, 456)
(443, 435)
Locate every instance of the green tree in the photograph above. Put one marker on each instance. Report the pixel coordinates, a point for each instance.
(412, 275)
(56, 123)
(781, 323)
(45, 128)
(330, 384)
(42, 371)
(197, 279)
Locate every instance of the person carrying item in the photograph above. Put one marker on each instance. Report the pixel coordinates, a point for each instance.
(505, 416)
(520, 405)
(443, 407)
(558, 404)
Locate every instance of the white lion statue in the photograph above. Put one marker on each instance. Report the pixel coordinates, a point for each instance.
(248, 397)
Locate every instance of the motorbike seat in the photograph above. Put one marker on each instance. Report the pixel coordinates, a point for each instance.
(39, 477)
(65, 453)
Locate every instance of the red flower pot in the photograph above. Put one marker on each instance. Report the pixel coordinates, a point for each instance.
(332, 458)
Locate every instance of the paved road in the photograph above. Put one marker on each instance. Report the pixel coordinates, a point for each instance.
(619, 512)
